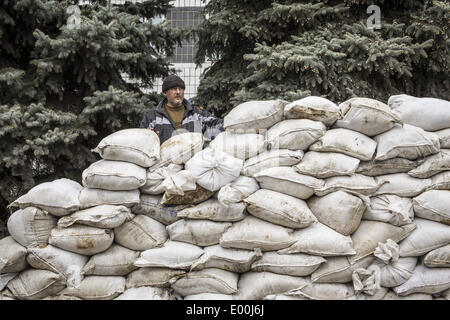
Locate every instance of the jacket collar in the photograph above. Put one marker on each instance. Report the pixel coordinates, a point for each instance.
(160, 108)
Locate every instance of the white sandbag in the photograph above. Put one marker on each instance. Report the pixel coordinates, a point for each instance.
(379, 168)
(255, 115)
(135, 145)
(327, 164)
(257, 285)
(198, 232)
(271, 158)
(12, 256)
(288, 181)
(432, 165)
(440, 181)
(155, 178)
(431, 114)
(180, 148)
(213, 169)
(339, 210)
(320, 240)
(323, 291)
(152, 207)
(97, 288)
(425, 280)
(298, 264)
(81, 239)
(234, 260)
(190, 197)
(433, 205)
(94, 197)
(214, 210)
(294, 134)
(355, 183)
(31, 226)
(251, 233)
(34, 284)
(114, 175)
(438, 258)
(241, 146)
(115, 261)
(58, 197)
(365, 115)
(366, 281)
(406, 141)
(153, 276)
(280, 209)
(146, 293)
(346, 141)
(103, 216)
(179, 182)
(428, 236)
(209, 296)
(282, 296)
(237, 190)
(444, 138)
(141, 233)
(390, 208)
(313, 108)
(370, 233)
(4, 279)
(413, 296)
(173, 254)
(339, 269)
(401, 184)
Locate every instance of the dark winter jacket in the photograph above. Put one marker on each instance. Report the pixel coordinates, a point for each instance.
(194, 120)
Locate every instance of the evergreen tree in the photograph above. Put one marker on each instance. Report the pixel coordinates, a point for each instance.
(68, 78)
(336, 49)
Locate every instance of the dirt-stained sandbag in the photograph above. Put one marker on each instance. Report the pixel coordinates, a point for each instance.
(313, 108)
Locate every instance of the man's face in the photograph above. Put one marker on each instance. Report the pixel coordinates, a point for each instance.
(175, 96)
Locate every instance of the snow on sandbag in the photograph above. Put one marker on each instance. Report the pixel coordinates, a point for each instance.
(31, 226)
(406, 141)
(115, 261)
(198, 232)
(153, 276)
(339, 269)
(271, 158)
(349, 142)
(327, 164)
(155, 178)
(97, 288)
(389, 166)
(313, 108)
(191, 197)
(438, 258)
(401, 184)
(180, 148)
(280, 209)
(237, 190)
(428, 236)
(432, 165)
(152, 207)
(355, 183)
(365, 115)
(141, 233)
(213, 169)
(433, 205)
(59, 197)
(172, 254)
(241, 146)
(114, 175)
(12, 256)
(146, 293)
(135, 145)
(103, 216)
(323, 291)
(444, 138)
(288, 181)
(214, 210)
(179, 182)
(81, 239)
(294, 134)
(257, 285)
(94, 197)
(390, 208)
(210, 280)
(339, 210)
(320, 240)
(298, 264)
(253, 116)
(430, 114)
(425, 280)
(34, 284)
(252, 233)
(234, 260)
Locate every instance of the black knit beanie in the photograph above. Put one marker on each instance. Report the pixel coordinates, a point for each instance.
(171, 82)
